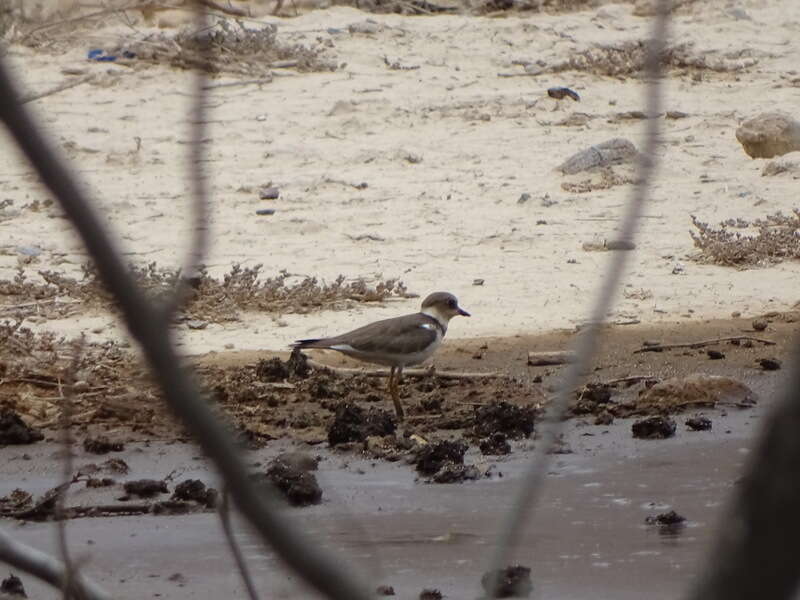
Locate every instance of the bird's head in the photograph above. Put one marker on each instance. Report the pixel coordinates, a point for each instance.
(442, 306)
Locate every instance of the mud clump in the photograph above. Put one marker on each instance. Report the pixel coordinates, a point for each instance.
(298, 485)
(654, 428)
(591, 399)
(196, 491)
(14, 431)
(351, 423)
(430, 594)
(495, 445)
(384, 590)
(668, 522)
(12, 586)
(769, 364)
(511, 582)
(443, 462)
(513, 421)
(276, 370)
(698, 423)
(102, 445)
(145, 488)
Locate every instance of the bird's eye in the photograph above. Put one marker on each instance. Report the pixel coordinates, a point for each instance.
(451, 303)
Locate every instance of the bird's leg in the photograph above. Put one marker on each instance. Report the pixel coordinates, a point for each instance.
(393, 383)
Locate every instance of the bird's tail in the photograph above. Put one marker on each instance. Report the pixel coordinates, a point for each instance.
(310, 343)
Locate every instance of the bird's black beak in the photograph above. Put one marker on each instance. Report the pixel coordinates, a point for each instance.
(462, 312)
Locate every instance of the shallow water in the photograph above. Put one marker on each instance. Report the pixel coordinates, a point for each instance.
(588, 537)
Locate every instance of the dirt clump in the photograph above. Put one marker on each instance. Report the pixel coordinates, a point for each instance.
(591, 399)
(769, 364)
(145, 488)
(16, 501)
(443, 462)
(12, 586)
(195, 490)
(351, 423)
(495, 445)
(102, 445)
(14, 431)
(298, 485)
(430, 594)
(384, 590)
(654, 428)
(667, 523)
(511, 582)
(698, 423)
(514, 421)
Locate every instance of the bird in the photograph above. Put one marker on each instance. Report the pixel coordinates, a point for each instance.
(398, 342)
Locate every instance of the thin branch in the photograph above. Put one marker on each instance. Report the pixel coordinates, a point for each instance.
(198, 182)
(406, 373)
(702, 343)
(552, 423)
(69, 83)
(238, 557)
(758, 541)
(146, 325)
(45, 567)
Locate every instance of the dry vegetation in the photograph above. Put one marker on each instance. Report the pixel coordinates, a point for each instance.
(776, 238)
(55, 295)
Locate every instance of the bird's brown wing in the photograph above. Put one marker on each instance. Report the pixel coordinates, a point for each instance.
(400, 335)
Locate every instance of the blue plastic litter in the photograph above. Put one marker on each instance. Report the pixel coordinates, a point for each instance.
(100, 55)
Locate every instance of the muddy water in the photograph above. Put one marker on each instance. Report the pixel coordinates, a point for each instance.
(587, 540)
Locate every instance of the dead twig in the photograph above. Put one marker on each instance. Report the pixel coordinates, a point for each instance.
(406, 372)
(228, 10)
(238, 557)
(45, 567)
(70, 83)
(551, 424)
(703, 343)
(630, 379)
(216, 86)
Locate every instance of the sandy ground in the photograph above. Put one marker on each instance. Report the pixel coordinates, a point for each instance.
(480, 141)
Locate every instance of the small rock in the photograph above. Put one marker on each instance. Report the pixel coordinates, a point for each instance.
(477, 281)
(432, 457)
(14, 431)
(298, 486)
(760, 324)
(430, 594)
(452, 473)
(715, 354)
(194, 324)
(769, 364)
(196, 491)
(769, 134)
(511, 582)
(523, 198)
(699, 388)
(559, 93)
(676, 114)
(365, 27)
(668, 522)
(611, 152)
(12, 586)
(698, 423)
(269, 193)
(736, 314)
(654, 428)
(80, 387)
(265, 211)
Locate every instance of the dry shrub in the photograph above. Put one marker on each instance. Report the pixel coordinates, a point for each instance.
(775, 239)
(627, 58)
(226, 47)
(211, 299)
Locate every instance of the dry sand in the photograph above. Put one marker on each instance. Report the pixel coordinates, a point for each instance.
(452, 215)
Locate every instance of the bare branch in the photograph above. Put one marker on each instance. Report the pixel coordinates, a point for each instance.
(198, 182)
(181, 392)
(45, 567)
(238, 557)
(756, 549)
(552, 423)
